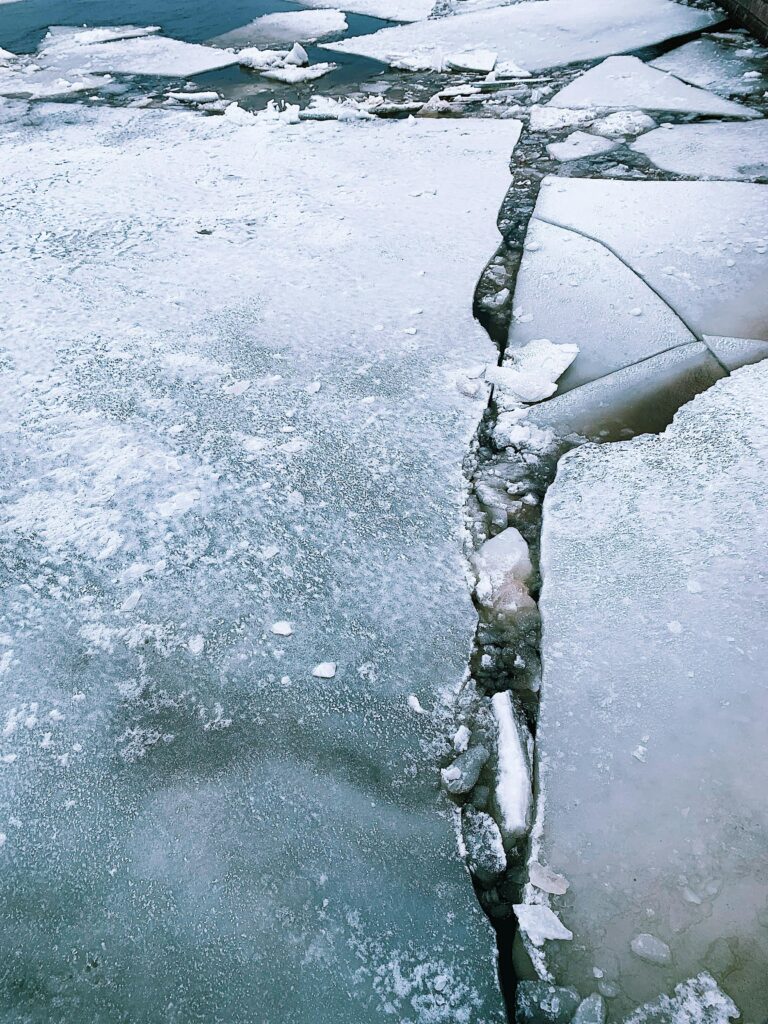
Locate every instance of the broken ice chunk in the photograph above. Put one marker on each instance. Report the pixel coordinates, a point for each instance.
(697, 1001)
(325, 670)
(470, 60)
(623, 122)
(282, 628)
(538, 1002)
(546, 879)
(484, 845)
(461, 776)
(651, 949)
(541, 924)
(286, 27)
(503, 565)
(591, 1011)
(530, 373)
(461, 739)
(292, 75)
(580, 144)
(513, 794)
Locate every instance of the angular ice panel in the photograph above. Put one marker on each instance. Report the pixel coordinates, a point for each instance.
(625, 83)
(651, 757)
(736, 352)
(286, 28)
(702, 245)
(571, 289)
(713, 64)
(729, 150)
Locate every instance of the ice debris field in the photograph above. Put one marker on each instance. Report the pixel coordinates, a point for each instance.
(383, 525)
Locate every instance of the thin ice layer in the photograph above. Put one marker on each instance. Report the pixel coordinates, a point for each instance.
(535, 35)
(229, 393)
(650, 745)
(734, 151)
(702, 246)
(625, 83)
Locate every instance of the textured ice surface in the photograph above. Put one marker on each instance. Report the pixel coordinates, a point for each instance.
(580, 144)
(535, 35)
(731, 150)
(696, 1001)
(701, 245)
(714, 65)
(626, 83)
(288, 27)
(70, 51)
(736, 352)
(652, 765)
(573, 289)
(216, 417)
(393, 10)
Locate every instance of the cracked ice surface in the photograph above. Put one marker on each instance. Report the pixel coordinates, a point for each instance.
(535, 35)
(732, 150)
(232, 491)
(650, 741)
(715, 65)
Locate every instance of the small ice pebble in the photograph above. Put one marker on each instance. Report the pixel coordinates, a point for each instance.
(282, 628)
(325, 670)
(196, 644)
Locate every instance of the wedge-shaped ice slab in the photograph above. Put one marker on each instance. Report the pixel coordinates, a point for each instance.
(652, 762)
(736, 352)
(713, 64)
(535, 35)
(391, 10)
(228, 371)
(625, 83)
(126, 52)
(286, 28)
(735, 150)
(702, 246)
(571, 289)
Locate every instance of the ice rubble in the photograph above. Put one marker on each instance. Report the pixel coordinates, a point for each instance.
(626, 83)
(127, 51)
(701, 246)
(733, 150)
(536, 35)
(225, 425)
(654, 559)
(712, 64)
(286, 27)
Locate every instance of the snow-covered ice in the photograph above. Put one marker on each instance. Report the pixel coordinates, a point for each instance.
(736, 352)
(732, 150)
(286, 28)
(536, 35)
(670, 851)
(580, 144)
(540, 924)
(210, 827)
(513, 796)
(712, 64)
(391, 10)
(293, 74)
(621, 83)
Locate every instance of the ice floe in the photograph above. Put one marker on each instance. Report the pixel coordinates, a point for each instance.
(626, 83)
(190, 295)
(713, 64)
(653, 604)
(732, 150)
(390, 10)
(536, 35)
(286, 27)
(580, 144)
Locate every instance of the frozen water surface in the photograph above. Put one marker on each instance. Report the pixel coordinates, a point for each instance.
(653, 704)
(229, 412)
(731, 150)
(716, 65)
(535, 35)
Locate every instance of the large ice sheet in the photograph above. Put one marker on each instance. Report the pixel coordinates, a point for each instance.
(571, 289)
(141, 52)
(700, 245)
(535, 35)
(713, 64)
(625, 83)
(731, 150)
(652, 765)
(232, 491)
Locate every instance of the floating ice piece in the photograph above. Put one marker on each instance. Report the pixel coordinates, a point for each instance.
(461, 776)
(710, 64)
(623, 122)
(282, 628)
(389, 10)
(461, 739)
(579, 291)
(90, 51)
(194, 98)
(480, 60)
(512, 795)
(538, 1002)
(415, 704)
(485, 848)
(580, 144)
(292, 75)
(530, 373)
(679, 236)
(325, 670)
(546, 879)
(736, 352)
(611, 673)
(651, 949)
(196, 644)
(286, 27)
(541, 924)
(503, 565)
(730, 150)
(591, 1011)
(6, 55)
(28, 80)
(552, 119)
(697, 1001)
(536, 35)
(626, 83)
(261, 59)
